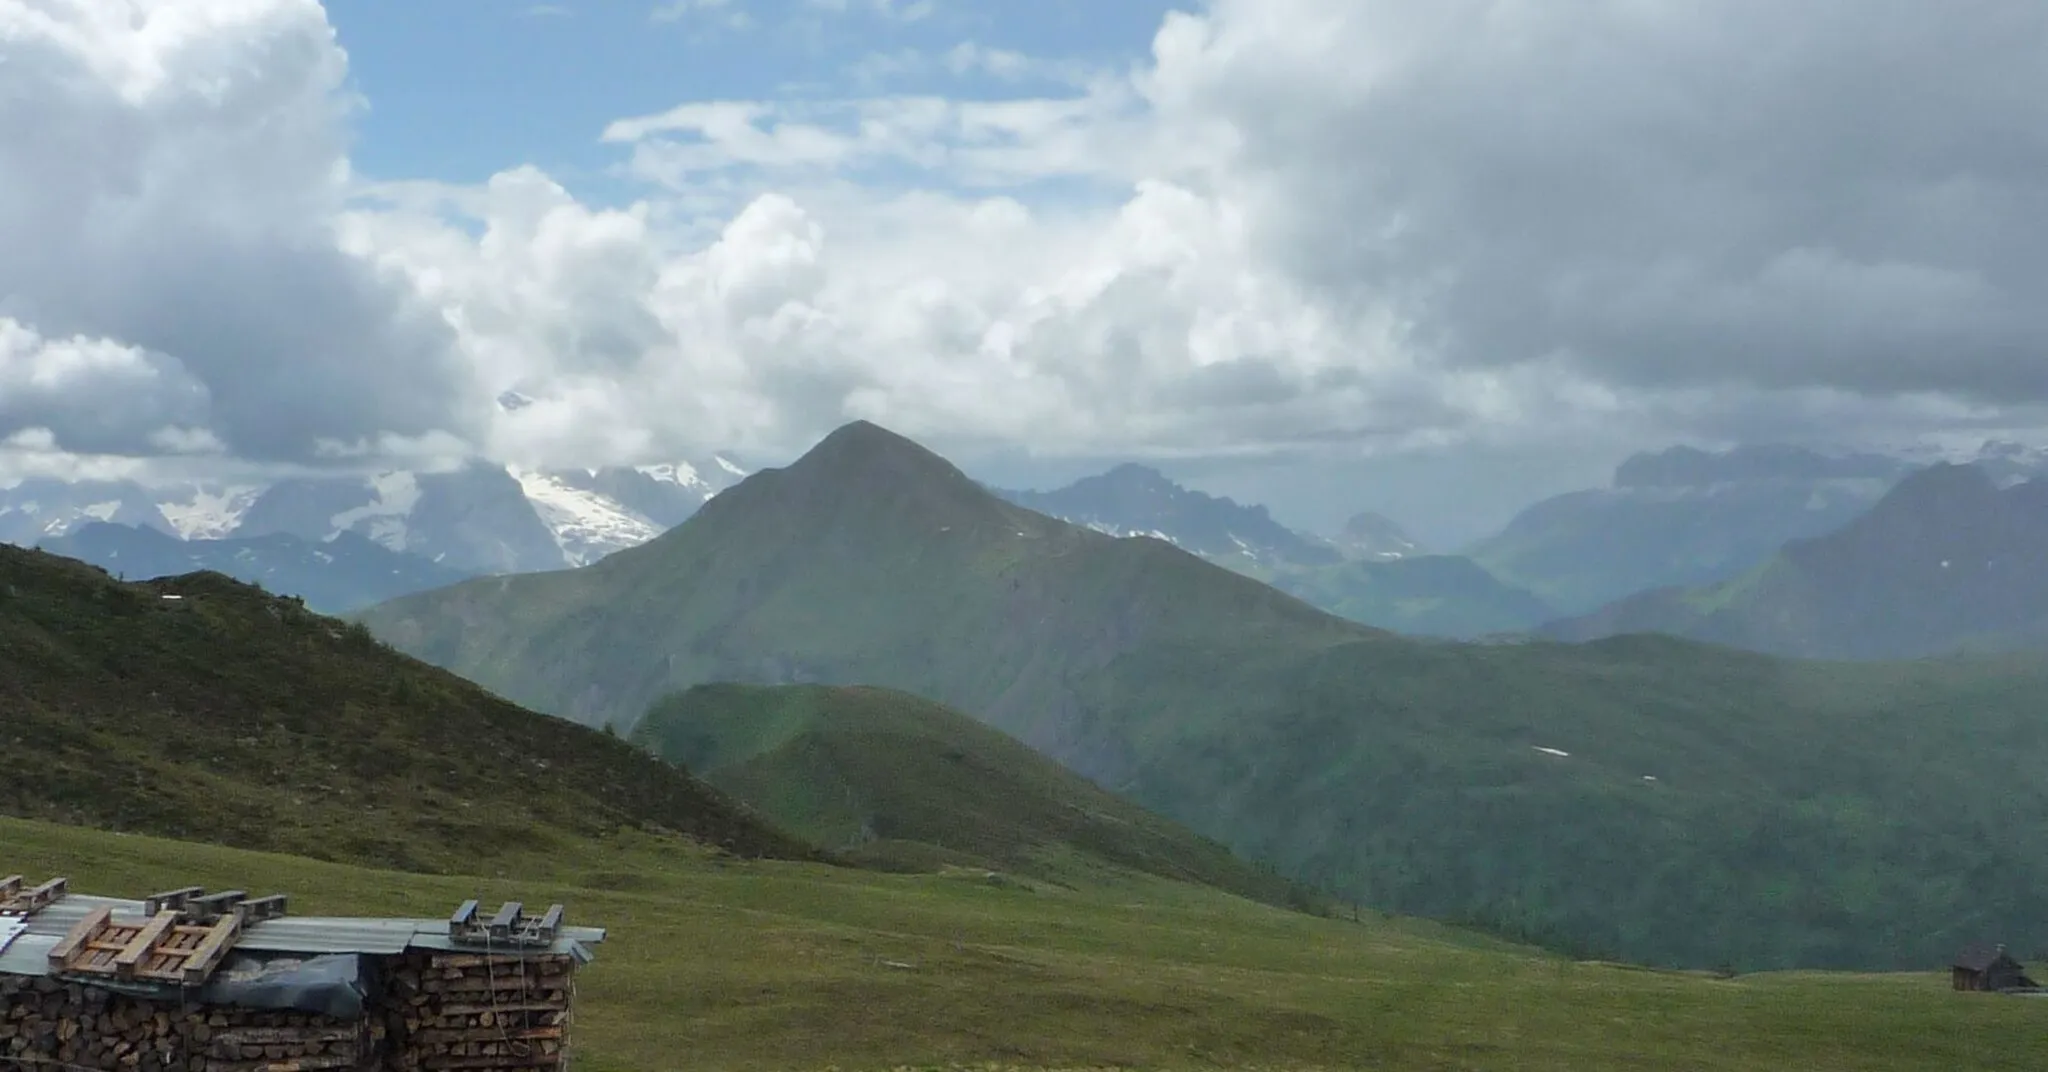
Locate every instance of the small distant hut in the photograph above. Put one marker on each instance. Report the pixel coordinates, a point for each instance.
(188, 981)
(1988, 968)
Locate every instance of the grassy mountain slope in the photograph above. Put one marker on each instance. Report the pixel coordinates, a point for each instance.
(840, 569)
(1800, 814)
(1712, 807)
(1946, 562)
(1424, 595)
(886, 777)
(242, 718)
(769, 965)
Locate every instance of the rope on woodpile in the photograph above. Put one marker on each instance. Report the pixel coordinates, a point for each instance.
(518, 1048)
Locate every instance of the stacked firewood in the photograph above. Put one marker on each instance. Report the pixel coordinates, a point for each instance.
(477, 1011)
(49, 1023)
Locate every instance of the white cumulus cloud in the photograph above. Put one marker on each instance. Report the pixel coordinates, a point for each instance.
(1296, 223)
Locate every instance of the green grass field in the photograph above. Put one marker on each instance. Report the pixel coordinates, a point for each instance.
(714, 964)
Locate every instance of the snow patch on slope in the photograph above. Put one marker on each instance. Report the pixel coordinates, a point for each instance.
(1122, 533)
(383, 519)
(728, 466)
(210, 514)
(681, 474)
(587, 526)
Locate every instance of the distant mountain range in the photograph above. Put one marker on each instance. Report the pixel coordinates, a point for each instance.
(1641, 797)
(1679, 517)
(1373, 572)
(1947, 561)
(345, 572)
(1136, 500)
(1685, 517)
(481, 518)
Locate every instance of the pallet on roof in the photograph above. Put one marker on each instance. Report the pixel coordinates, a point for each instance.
(134, 987)
(183, 936)
(510, 926)
(16, 901)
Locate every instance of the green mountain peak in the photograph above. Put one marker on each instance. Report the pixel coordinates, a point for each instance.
(1657, 800)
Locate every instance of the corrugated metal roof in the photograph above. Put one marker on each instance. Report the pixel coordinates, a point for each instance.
(10, 929)
(329, 934)
(58, 919)
(312, 935)
(29, 955)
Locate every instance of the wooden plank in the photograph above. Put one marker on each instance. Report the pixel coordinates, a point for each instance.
(261, 908)
(217, 904)
(206, 957)
(434, 1035)
(10, 886)
(170, 899)
(453, 1009)
(293, 1036)
(144, 943)
(508, 915)
(547, 963)
(75, 939)
(288, 1064)
(169, 963)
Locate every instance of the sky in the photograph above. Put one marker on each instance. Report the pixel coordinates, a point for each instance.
(1431, 259)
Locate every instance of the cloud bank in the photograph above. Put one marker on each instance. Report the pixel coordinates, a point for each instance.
(1294, 225)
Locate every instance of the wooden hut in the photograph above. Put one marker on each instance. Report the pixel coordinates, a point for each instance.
(1988, 968)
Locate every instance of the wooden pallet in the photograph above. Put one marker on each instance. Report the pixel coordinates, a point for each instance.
(183, 936)
(510, 927)
(16, 901)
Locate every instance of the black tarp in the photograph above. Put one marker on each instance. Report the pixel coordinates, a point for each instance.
(333, 985)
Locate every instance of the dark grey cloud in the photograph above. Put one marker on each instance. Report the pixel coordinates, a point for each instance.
(1846, 194)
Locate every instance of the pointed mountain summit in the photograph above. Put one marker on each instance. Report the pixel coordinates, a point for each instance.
(841, 568)
(866, 476)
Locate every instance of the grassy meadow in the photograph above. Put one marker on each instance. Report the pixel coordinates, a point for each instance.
(717, 964)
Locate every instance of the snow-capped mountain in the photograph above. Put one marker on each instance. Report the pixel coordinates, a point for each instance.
(41, 509)
(481, 518)
(486, 518)
(1135, 500)
(1376, 537)
(594, 512)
